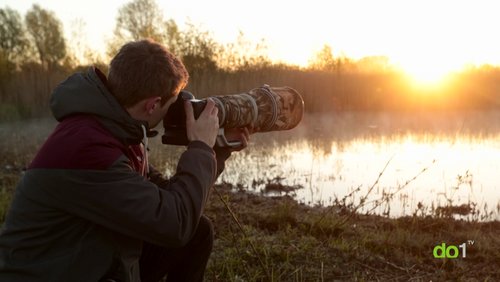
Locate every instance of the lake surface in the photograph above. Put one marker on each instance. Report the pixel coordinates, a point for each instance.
(398, 163)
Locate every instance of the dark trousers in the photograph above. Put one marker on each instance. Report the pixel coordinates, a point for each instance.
(183, 264)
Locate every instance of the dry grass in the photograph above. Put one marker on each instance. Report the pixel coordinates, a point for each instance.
(364, 248)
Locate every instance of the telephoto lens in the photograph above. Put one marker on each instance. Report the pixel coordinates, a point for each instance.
(264, 108)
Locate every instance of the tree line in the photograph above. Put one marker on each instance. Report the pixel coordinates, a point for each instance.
(35, 57)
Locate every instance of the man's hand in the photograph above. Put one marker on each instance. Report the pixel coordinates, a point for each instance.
(239, 134)
(206, 127)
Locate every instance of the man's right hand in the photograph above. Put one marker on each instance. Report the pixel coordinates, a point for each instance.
(206, 127)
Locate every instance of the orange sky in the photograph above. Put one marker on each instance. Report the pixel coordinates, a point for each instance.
(425, 38)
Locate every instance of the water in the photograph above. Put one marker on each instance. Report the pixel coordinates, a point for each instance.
(430, 160)
(408, 163)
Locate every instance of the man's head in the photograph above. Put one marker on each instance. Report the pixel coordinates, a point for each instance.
(146, 78)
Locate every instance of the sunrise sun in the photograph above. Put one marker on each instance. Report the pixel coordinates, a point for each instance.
(427, 73)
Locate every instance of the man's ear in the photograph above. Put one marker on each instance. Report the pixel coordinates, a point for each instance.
(152, 104)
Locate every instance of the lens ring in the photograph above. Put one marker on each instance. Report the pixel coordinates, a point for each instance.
(268, 92)
(255, 109)
(222, 110)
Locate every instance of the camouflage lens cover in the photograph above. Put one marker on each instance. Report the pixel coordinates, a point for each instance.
(266, 108)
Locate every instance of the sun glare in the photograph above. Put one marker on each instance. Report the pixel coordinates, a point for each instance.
(424, 73)
(426, 76)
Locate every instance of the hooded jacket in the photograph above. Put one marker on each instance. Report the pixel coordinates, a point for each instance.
(84, 206)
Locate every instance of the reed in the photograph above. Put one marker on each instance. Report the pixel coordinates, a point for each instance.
(26, 93)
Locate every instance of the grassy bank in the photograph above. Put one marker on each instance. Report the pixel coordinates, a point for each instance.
(294, 242)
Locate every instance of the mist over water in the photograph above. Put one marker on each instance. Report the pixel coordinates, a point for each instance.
(409, 162)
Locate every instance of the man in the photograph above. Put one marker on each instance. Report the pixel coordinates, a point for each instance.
(89, 207)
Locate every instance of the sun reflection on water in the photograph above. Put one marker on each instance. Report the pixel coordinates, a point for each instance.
(457, 170)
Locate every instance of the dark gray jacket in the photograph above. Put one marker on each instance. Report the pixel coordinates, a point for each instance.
(83, 208)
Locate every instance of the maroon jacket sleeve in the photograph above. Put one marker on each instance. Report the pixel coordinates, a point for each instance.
(221, 154)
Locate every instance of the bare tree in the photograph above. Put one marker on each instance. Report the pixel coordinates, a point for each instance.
(13, 41)
(244, 54)
(141, 19)
(13, 47)
(174, 36)
(47, 35)
(324, 60)
(198, 49)
(137, 20)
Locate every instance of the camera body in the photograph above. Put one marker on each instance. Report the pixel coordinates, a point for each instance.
(265, 108)
(174, 121)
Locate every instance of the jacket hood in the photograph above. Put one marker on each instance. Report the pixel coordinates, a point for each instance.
(86, 93)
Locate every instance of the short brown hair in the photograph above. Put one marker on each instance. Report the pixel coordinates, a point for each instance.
(144, 69)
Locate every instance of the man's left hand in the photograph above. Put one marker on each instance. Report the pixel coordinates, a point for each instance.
(238, 134)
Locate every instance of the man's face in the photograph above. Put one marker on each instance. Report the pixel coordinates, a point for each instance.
(160, 111)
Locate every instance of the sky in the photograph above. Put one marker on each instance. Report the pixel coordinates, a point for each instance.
(426, 38)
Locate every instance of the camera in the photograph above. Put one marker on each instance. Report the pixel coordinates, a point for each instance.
(264, 108)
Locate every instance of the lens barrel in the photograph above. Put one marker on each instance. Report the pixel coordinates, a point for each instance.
(264, 108)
